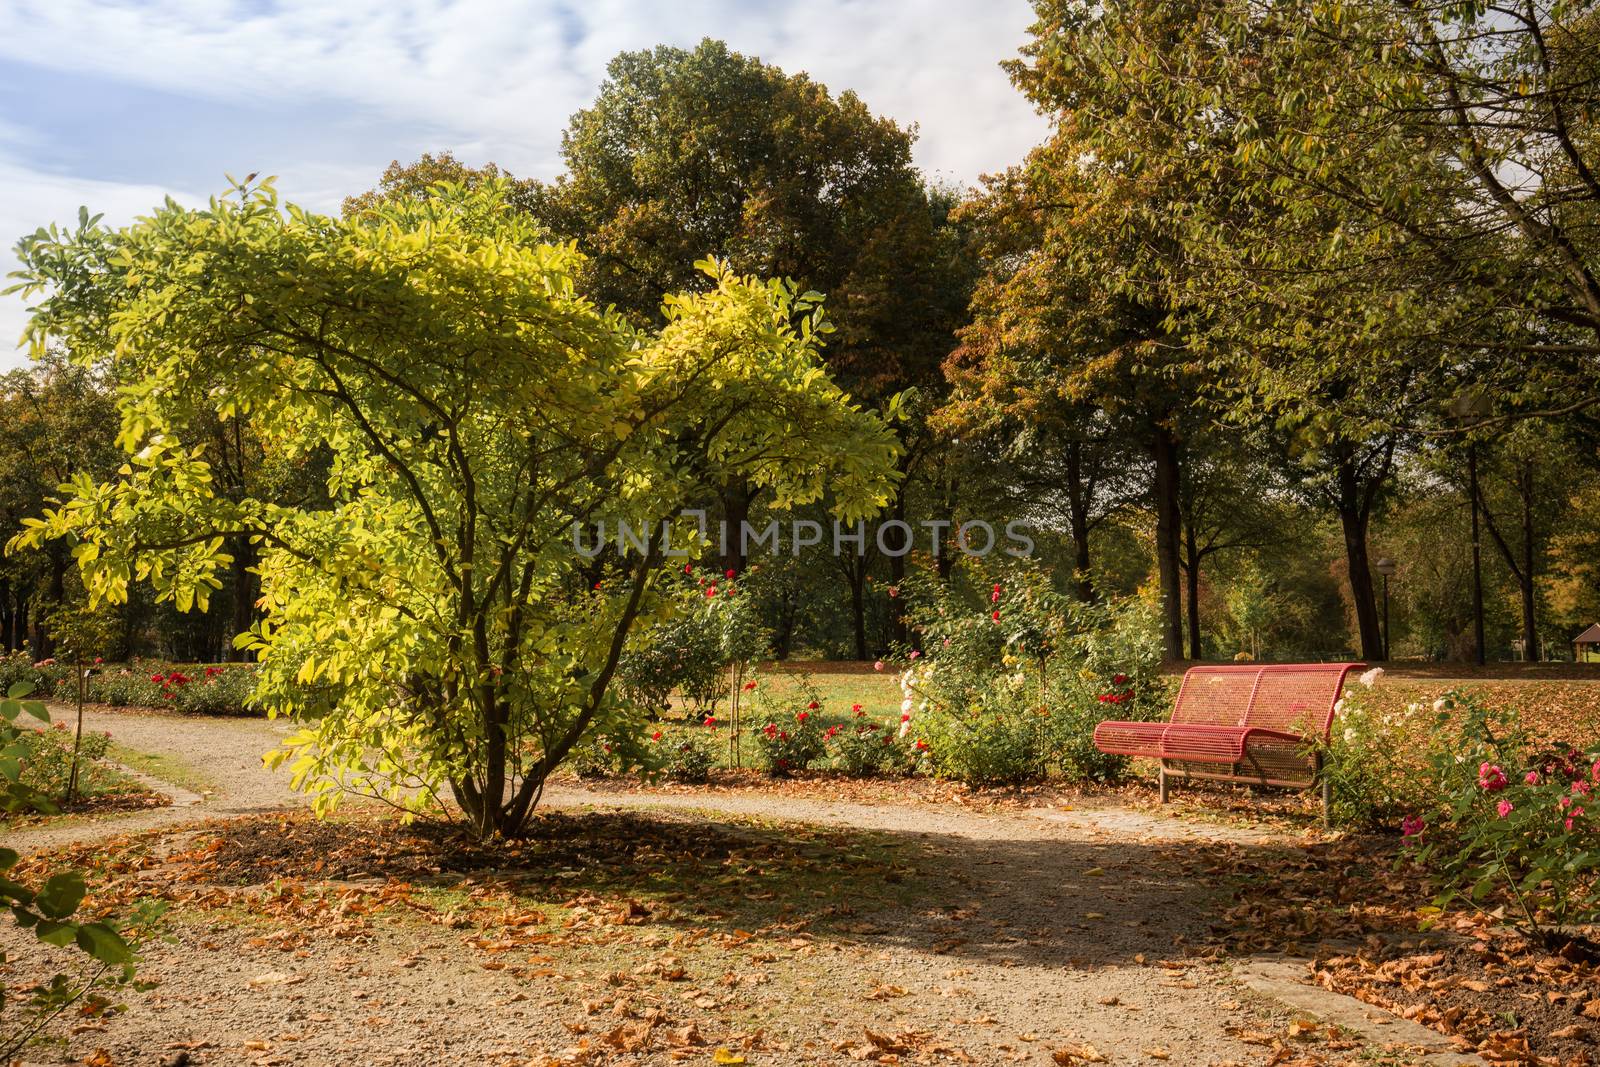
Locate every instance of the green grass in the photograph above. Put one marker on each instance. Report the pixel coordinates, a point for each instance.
(836, 686)
(169, 769)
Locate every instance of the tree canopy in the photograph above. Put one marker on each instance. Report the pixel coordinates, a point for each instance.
(431, 619)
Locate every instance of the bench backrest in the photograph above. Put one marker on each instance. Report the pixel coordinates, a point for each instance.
(1296, 697)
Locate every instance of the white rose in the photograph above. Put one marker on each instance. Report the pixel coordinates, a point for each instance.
(1438, 705)
(1370, 679)
(905, 705)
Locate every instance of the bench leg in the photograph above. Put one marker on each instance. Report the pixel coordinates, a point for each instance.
(1162, 786)
(1326, 785)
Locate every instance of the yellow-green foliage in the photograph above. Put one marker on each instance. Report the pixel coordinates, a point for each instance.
(431, 618)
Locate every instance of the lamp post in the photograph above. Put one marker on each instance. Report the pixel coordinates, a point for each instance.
(1385, 566)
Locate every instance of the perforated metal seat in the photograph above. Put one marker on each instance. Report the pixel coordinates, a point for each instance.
(1250, 723)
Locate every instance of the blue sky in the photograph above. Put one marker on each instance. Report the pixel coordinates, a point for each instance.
(116, 104)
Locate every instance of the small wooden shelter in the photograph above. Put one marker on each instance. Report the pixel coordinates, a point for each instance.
(1586, 646)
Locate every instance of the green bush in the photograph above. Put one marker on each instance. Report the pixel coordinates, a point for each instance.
(693, 654)
(1017, 675)
(47, 902)
(1375, 773)
(790, 738)
(863, 748)
(684, 757)
(46, 761)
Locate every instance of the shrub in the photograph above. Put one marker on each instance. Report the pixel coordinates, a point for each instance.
(1017, 675)
(18, 668)
(791, 737)
(222, 689)
(1513, 821)
(48, 902)
(1375, 770)
(593, 760)
(46, 761)
(716, 630)
(862, 748)
(685, 757)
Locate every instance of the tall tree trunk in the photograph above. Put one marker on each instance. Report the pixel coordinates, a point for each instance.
(1164, 450)
(244, 595)
(8, 617)
(1530, 622)
(736, 501)
(1191, 569)
(1078, 506)
(1353, 519)
(57, 592)
(858, 608)
(898, 631)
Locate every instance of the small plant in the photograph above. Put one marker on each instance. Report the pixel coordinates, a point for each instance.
(594, 760)
(47, 761)
(1376, 774)
(48, 904)
(1017, 675)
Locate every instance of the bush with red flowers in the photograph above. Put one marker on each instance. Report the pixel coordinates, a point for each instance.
(1517, 827)
(1014, 675)
(790, 737)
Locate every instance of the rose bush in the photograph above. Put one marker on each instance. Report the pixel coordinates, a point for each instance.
(1017, 675)
(790, 737)
(1512, 821)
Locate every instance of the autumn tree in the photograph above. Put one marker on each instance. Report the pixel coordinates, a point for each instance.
(433, 622)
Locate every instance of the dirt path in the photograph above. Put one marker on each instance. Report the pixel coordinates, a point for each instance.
(1053, 928)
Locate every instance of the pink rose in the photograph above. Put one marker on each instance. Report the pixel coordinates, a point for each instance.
(1504, 808)
(1532, 778)
(878, 666)
(1412, 825)
(1491, 778)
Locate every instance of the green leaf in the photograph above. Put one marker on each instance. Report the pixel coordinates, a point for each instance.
(61, 895)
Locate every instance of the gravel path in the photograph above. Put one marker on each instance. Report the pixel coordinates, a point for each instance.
(1057, 927)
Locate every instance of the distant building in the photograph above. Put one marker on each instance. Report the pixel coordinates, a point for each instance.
(1586, 646)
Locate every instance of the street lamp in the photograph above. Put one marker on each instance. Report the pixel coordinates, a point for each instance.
(1385, 566)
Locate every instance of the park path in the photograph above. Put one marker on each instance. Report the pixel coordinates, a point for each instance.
(1071, 924)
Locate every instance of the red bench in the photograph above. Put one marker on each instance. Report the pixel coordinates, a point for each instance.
(1244, 723)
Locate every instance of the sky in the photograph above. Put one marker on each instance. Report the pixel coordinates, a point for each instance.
(115, 105)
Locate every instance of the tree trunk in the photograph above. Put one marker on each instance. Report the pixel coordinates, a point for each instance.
(898, 632)
(1191, 568)
(1353, 518)
(858, 609)
(45, 646)
(244, 595)
(1530, 621)
(8, 617)
(736, 501)
(1164, 449)
(1078, 505)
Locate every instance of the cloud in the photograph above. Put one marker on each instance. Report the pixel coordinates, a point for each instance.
(503, 77)
(128, 101)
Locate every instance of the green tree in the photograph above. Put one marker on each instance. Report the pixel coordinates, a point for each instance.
(434, 621)
(56, 420)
